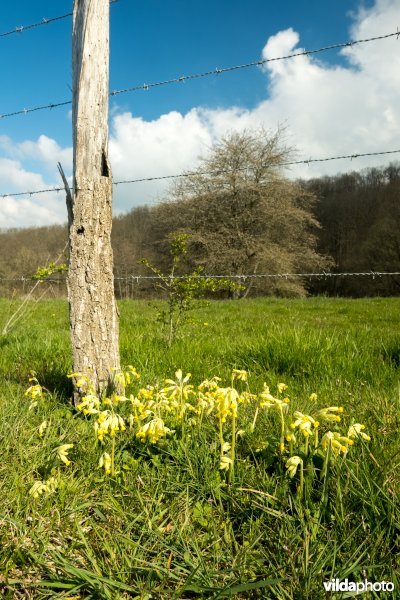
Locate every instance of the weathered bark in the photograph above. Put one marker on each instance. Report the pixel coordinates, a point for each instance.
(93, 311)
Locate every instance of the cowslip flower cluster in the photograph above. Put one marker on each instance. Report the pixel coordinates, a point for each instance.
(123, 379)
(34, 391)
(43, 487)
(153, 431)
(62, 453)
(336, 442)
(292, 464)
(267, 400)
(330, 414)
(82, 383)
(305, 423)
(108, 423)
(226, 403)
(105, 462)
(356, 431)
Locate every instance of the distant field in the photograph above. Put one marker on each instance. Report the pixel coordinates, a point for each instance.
(169, 526)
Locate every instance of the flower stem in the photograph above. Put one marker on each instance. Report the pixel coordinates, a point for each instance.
(112, 471)
(282, 442)
(253, 425)
(301, 486)
(230, 477)
(221, 437)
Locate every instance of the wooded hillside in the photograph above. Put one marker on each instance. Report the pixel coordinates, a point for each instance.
(358, 214)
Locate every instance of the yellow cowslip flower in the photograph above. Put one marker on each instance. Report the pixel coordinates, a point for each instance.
(89, 404)
(239, 374)
(37, 489)
(225, 463)
(153, 431)
(304, 423)
(119, 379)
(62, 453)
(140, 409)
(290, 437)
(281, 387)
(292, 464)
(226, 401)
(226, 446)
(105, 462)
(267, 400)
(82, 381)
(313, 397)
(52, 484)
(114, 400)
(356, 430)
(146, 393)
(124, 378)
(42, 487)
(205, 403)
(42, 428)
(132, 372)
(338, 443)
(246, 397)
(177, 388)
(209, 384)
(108, 423)
(34, 391)
(328, 414)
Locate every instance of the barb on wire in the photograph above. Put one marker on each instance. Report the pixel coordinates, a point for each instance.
(44, 21)
(182, 78)
(192, 173)
(323, 275)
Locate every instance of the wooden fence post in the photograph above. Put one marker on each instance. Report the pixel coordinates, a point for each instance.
(93, 311)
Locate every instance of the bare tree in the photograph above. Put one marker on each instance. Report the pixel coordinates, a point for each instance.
(244, 215)
(93, 311)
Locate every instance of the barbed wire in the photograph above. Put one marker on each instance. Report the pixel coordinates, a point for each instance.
(193, 173)
(255, 63)
(217, 71)
(137, 278)
(44, 21)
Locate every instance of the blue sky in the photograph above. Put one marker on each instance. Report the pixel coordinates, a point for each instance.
(337, 102)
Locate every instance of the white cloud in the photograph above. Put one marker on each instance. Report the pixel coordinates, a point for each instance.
(44, 151)
(23, 212)
(329, 110)
(41, 209)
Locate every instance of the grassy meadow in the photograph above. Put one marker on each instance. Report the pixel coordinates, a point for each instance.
(169, 523)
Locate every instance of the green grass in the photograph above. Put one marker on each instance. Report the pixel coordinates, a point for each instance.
(167, 526)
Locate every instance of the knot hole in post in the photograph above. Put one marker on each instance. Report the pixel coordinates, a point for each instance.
(105, 171)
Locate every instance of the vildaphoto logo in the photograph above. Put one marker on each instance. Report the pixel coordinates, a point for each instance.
(338, 585)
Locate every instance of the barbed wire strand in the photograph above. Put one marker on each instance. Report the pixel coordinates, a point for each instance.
(217, 71)
(44, 21)
(322, 275)
(256, 63)
(194, 173)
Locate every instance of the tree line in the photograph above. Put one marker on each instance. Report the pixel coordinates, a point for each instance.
(243, 216)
